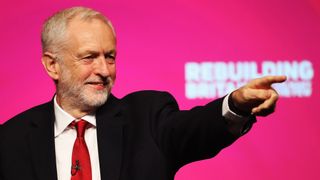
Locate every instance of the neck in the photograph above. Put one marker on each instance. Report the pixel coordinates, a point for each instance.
(73, 107)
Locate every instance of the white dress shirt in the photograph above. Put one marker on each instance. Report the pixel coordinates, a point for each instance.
(65, 137)
(64, 140)
(237, 123)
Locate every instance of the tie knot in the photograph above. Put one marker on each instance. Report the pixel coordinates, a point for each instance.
(80, 127)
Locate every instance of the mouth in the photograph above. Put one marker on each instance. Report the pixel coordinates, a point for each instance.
(98, 85)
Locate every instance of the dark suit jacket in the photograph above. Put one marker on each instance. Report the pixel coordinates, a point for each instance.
(143, 136)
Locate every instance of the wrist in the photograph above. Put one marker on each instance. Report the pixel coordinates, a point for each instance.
(233, 107)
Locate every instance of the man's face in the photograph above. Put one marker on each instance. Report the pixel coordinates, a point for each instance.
(87, 67)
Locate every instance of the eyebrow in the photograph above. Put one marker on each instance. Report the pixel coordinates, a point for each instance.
(113, 51)
(81, 54)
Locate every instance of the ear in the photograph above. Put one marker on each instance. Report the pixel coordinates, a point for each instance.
(50, 64)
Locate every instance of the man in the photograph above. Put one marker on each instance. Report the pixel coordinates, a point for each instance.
(87, 133)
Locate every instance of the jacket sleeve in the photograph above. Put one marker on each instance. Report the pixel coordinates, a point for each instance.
(187, 136)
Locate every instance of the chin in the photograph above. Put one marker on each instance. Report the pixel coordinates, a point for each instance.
(95, 100)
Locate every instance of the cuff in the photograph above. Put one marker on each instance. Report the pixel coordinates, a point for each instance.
(239, 124)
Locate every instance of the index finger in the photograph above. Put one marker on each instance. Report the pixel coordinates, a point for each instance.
(267, 81)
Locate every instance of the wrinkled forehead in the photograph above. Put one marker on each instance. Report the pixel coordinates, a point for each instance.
(83, 19)
(92, 27)
(89, 36)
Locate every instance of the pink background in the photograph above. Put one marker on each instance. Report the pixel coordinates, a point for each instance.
(156, 39)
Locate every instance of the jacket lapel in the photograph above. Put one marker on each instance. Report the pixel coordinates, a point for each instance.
(41, 141)
(109, 132)
(110, 136)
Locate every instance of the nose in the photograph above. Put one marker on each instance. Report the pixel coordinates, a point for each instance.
(102, 68)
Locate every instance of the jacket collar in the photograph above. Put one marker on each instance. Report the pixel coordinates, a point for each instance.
(110, 122)
(109, 119)
(41, 141)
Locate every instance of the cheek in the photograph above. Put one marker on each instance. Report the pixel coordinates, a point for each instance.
(83, 74)
(112, 71)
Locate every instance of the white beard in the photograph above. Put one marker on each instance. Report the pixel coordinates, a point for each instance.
(81, 95)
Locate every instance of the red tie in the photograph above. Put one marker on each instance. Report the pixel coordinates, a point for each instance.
(81, 166)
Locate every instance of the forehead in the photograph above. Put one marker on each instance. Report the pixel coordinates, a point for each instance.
(93, 34)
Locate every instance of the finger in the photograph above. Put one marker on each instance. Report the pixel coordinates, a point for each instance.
(265, 112)
(268, 105)
(258, 94)
(267, 81)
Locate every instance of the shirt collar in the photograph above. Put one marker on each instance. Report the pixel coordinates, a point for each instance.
(63, 119)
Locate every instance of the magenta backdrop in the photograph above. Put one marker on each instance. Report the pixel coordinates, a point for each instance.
(155, 41)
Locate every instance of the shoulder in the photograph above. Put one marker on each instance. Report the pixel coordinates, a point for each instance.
(143, 101)
(149, 97)
(24, 119)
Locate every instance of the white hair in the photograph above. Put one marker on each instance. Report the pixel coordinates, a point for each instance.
(53, 35)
